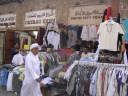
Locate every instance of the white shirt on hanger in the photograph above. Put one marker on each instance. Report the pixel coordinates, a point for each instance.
(85, 33)
(54, 39)
(108, 35)
(93, 33)
(50, 37)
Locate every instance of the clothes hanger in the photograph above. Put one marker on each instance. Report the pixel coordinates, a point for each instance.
(111, 21)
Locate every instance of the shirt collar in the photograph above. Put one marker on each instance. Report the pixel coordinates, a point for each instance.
(107, 21)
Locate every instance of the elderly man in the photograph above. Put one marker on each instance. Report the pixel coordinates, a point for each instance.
(31, 83)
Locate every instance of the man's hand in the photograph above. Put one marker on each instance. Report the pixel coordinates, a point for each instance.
(38, 80)
(41, 84)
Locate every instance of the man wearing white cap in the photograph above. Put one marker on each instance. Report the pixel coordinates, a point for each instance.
(31, 83)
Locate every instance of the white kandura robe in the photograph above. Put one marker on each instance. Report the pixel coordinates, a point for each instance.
(30, 86)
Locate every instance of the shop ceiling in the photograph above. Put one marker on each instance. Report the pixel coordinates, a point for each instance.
(3, 2)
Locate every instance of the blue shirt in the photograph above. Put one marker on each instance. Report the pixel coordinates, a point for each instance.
(125, 25)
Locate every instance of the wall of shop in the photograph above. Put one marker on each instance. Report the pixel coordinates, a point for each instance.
(124, 8)
(61, 6)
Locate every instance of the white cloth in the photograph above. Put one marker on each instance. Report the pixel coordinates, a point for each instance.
(90, 57)
(99, 82)
(112, 86)
(50, 37)
(18, 59)
(30, 86)
(125, 58)
(89, 33)
(92, 89)
(54, 39)
(85, 33)
(47, 80)
(69, 71)
(9, 82)
(108, 35)
(93, 33)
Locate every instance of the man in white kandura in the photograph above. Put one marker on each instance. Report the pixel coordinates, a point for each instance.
(18, 59)
(31, 83)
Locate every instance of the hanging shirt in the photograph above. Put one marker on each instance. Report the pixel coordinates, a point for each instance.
(125, 58)
(72, 34)
(30, 86)
(85, 34)
(93, 33)
(63, 39)
(108, 35)
(9, 82)
(93, 83)
(52, 26)
(50, 37)
(112, 88)
(18, 59)
(54, 39)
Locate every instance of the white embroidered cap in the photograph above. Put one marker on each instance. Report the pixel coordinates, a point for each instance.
(34, 45)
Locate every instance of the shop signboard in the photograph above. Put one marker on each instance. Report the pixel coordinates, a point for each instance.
(39, 18)
(86, 15)
(7, 20)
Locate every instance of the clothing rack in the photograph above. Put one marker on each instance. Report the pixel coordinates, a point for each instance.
(96, 64)
(83, 63)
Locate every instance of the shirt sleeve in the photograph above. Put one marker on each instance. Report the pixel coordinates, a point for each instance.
(99, 30)
(120, 28)
(30, 67)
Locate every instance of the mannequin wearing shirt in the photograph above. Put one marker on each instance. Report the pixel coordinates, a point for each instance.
(108, 35)
(108, 39)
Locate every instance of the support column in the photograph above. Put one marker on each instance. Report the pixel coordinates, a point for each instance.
(115, 7)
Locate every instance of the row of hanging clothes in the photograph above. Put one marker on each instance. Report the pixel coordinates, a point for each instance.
(62, 36)
(97, 79)
(81, 33)
(50, 62)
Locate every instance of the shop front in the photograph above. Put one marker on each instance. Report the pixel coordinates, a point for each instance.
(34, 24)
(7, 22)
(85, 25)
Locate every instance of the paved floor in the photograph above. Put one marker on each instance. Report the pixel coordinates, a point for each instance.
(3, 92)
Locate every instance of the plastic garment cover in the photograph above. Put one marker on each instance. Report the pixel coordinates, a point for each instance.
(9, 82)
